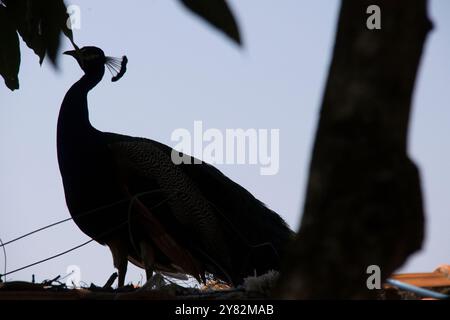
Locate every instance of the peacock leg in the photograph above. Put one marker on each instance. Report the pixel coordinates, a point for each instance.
(120, 259)
(148, 258)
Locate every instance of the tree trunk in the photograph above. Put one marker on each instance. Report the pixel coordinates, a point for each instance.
(363, 204)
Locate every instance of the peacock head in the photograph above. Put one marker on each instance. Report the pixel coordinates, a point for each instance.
(93, 61)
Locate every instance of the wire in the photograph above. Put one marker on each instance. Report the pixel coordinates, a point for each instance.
(3, 244)
(4, 253)
(134, 198)
(78, 216)
(49, 258)
(417, 290)
(69, 274)
(62, 221)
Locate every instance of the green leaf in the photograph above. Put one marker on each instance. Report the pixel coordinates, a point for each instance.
(9, 50)
(217, 13)
(39, 24)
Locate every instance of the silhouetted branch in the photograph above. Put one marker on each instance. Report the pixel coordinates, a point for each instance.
(363, 203)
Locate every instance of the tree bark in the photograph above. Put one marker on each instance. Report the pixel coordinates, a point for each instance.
(363, 204)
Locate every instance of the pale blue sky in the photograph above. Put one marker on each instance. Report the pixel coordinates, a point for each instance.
(180, 71)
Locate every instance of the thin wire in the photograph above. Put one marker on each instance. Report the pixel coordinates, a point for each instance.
(4, 244)
(84, 243)
(77, 216)
(69, 274)
(64, 252)
(4, 253)
(134, 198)
(417, 290)
(49, 258)
(124, 200)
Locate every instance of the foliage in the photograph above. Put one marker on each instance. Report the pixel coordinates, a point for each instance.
(39, 24)
(217, 13)
(9, 51)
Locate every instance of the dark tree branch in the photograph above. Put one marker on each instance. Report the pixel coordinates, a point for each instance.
(363, 203)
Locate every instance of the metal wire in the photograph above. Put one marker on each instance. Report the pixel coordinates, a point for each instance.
(132, 200)
(3, 244)
(49, 258)
(418, 290)
(4, 254)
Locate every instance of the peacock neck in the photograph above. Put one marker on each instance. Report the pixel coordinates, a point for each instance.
(73, 120)
(74, 111)
(91, 79)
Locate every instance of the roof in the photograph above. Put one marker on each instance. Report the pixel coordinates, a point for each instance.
(438, 280)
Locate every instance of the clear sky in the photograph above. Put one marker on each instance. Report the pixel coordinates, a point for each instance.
(179, 71)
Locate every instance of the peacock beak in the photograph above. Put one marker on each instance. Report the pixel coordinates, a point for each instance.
(72, 53)
(77, 55)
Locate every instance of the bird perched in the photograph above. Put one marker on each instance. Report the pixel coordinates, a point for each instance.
(127, 193)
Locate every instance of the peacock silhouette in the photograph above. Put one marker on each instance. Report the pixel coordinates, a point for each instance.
(126, 193)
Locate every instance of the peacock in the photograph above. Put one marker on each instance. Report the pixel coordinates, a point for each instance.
(126, 193)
